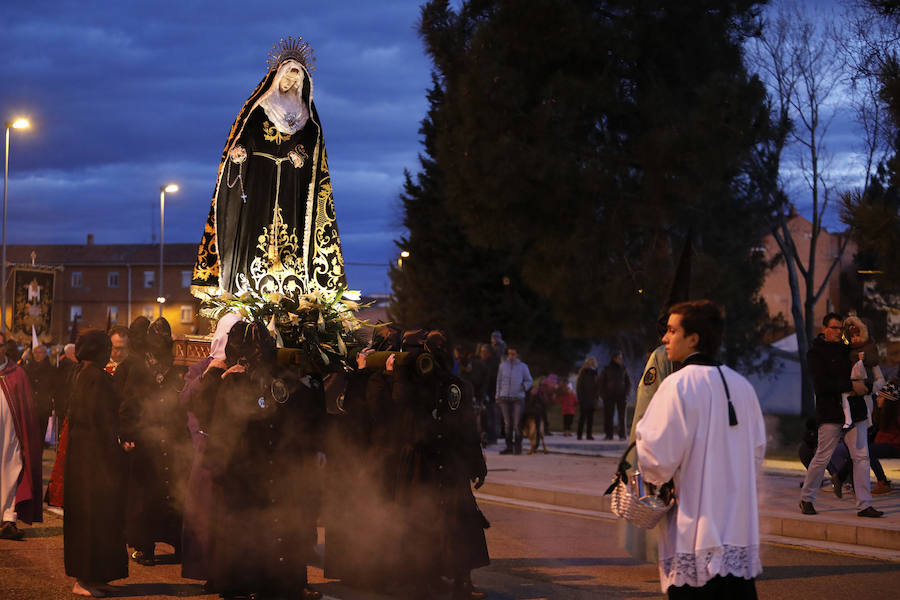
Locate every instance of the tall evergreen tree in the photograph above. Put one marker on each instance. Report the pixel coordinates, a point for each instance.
(447, 282)
(583, 139)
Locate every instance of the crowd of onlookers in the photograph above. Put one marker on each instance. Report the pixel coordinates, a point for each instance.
(856, 421)
(49, 371)
(511, 402)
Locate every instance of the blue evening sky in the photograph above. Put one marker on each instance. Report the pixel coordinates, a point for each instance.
(125, 96)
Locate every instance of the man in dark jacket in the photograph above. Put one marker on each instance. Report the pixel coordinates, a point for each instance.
(43, 384)
(829, 368)
(491, 364)
(587, 389)
(65, 378)
(614, 387)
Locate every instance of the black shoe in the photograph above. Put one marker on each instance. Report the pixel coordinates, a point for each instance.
(607, 438)
(870, 512)
(838, 486)
(590, 437)
(807, 508)
(579, 436)
(9, 531)
(311, 594)
(506, 451)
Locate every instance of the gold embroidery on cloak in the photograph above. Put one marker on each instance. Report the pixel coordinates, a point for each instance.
(271, 134)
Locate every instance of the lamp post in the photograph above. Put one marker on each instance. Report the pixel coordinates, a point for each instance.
(17, 124)
(162, 221)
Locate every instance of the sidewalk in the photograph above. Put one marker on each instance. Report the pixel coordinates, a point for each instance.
(575, 474)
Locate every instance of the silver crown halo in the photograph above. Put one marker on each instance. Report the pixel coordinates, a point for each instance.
(291, 48)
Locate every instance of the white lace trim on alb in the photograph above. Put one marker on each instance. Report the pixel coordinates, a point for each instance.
(698, 568)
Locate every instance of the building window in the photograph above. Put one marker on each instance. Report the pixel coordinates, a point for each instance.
(76, 279)
(113, 312)
(149, 279)
(74, 311)
(186, 279)
(149, 311)
(112, 279)
(187, 313)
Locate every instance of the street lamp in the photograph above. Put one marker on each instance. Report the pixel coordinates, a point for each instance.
(17, 124)
(162, 220)
(403, 254)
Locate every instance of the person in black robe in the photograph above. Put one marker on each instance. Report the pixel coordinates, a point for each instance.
(65, 376)
(137, 339)
(442, 455)
(198, 398)
(93, 524)
(265, 455)
(361, 521)
(153, 429)
(43, 384)
(271, 225)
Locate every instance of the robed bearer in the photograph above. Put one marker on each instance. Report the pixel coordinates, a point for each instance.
(95, 473)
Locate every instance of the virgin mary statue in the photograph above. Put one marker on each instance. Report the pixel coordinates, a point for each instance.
(271, 226)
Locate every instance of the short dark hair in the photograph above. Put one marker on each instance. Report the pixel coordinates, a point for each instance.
(832, 316)
(703, 317)
(119, 330)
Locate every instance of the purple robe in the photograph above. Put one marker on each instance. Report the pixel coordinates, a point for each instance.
(199, 496)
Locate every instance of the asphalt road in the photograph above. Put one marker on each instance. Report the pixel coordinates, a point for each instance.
(536, 553)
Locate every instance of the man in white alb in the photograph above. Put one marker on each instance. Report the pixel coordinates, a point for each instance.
(704, 430)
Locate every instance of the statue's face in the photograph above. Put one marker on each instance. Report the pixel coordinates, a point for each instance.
(289, 80)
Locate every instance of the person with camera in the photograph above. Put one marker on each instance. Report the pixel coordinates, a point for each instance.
(830, 367)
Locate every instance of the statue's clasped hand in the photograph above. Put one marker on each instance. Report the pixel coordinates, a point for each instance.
(237, 154)
(297, 157)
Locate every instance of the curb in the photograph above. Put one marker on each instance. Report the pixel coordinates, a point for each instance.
(878, 539)
(879, 535)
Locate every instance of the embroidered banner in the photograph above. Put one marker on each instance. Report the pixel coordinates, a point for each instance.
(32, 304)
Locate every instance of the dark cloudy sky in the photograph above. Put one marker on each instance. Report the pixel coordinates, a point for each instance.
(125, 96)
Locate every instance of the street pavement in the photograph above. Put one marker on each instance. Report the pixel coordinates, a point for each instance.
(575, 474)
(540, 549)
(536, 554)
